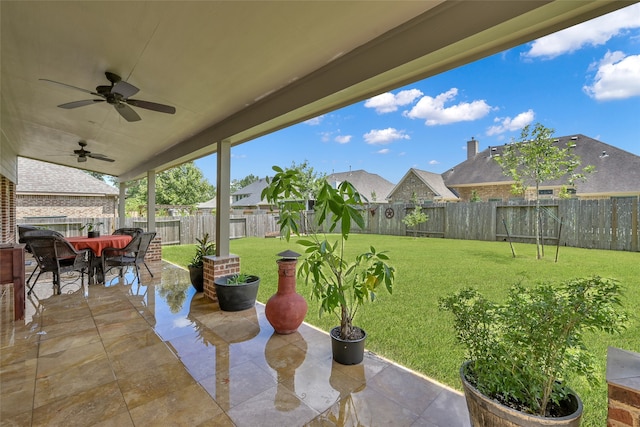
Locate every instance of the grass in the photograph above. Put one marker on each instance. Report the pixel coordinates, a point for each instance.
(407, 327)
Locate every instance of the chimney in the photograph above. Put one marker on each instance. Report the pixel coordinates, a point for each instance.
(472, 148)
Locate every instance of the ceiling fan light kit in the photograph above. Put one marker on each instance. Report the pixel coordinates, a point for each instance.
(117, 94)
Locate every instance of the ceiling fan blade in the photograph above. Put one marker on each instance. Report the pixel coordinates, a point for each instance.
(69, 86)
(76, 104)
(125, 89)
(127, 112)
(100, 157)
(151, 106)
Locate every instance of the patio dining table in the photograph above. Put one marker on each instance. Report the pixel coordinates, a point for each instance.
(97, 245)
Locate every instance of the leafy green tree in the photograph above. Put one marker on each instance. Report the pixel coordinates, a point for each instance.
(182, 185)
(238, 184)
(416, 217)
(311, 181)
(535, 159)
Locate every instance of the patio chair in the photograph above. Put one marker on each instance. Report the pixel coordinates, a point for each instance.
(25, 229)
(55, 254)
(129, 231)
(131, 255)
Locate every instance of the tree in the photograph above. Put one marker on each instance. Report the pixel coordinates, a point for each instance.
(416, 217)
(182, 185)
(237, 184)
(535, 159)
(311, 181)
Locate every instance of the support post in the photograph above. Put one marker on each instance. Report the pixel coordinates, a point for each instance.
(151, 200)
(223, 194)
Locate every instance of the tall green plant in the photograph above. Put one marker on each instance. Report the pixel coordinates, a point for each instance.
(340, 285)
(523, 351)
(535, 159)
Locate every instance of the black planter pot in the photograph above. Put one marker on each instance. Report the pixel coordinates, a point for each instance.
(487, 412)
(196, 274)
(347, 352)
(92, 234)
(232, 297)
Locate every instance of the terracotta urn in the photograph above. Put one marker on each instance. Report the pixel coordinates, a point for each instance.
(286, 309)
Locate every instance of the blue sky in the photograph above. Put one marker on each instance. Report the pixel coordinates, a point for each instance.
(582, 80)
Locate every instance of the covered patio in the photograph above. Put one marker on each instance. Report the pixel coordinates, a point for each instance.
(127, 354)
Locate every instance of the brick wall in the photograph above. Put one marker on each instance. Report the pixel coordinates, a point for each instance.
(154, 253)
(623, 382)
(7, 210)
(413, 184)
(214, 267)
(33, 205)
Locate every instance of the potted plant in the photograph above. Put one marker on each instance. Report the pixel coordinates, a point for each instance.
(236, 292)
(92, 229)
(340, 285)
(204, 248)
(522, 352)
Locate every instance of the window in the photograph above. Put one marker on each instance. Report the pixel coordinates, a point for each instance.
(545, 192)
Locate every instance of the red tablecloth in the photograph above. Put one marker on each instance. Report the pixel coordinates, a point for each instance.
(97, 244)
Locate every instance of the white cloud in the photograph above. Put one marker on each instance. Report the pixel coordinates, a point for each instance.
(388, 102)
(315, 121)
(434, 162)
(434, 112)
(343, 139)
(384, 136)
(618, 77)
(594, 33)
(508, 124)
(383, 151)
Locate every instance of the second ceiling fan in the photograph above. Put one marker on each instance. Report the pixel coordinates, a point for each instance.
(116, 94)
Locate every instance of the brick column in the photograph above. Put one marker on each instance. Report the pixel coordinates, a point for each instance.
(154, 252)
(623, 381)
(7, 211)
(216, 266)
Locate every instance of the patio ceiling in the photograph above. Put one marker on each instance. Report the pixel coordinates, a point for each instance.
(233, 70)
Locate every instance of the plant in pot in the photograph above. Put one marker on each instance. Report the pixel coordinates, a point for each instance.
(341, 285)
(521, 353)
(92, 229)
(204, 247)
(236, 292)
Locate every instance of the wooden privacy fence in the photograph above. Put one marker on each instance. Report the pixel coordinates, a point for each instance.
(595, 224)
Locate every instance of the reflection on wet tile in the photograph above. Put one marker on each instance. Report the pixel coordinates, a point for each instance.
(129, 354)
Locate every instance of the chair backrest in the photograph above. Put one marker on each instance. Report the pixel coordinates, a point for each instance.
(26, 231)
(129, 231)
(49, 249)
(145, 241)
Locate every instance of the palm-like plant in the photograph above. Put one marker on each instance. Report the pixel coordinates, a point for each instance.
(340, 285)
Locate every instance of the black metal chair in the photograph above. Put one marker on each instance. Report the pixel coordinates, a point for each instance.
(23, 229)
(131, 255)
(129, 231)
(55, 254)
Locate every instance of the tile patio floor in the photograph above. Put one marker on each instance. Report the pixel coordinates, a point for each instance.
(162, 355)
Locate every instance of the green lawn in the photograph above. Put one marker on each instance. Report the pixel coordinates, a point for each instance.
(407, 327)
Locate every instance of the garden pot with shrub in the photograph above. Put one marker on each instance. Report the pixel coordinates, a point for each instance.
(204, 248)
(341, 285)
(521, 352)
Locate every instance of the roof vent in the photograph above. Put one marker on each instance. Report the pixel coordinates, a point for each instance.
(574, 138)
(604, 154)
(556, 140)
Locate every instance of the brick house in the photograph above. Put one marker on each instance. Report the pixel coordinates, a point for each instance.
(48, 190)
(617, 173)
(427, 187)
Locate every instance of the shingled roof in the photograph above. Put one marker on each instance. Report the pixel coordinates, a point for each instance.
(617, 171)
(366, 183)
(35, 177)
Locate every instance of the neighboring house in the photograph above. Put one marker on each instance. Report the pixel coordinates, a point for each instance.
(372, 186)
(617, 173)
(207, 207)
(47, 190)
(249, 197)
(426, 186)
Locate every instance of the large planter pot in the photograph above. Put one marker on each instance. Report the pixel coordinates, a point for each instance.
(196, 274)
(347, 352)
(93, 234)
(236, 297)
(286, 309)
(486, 412)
